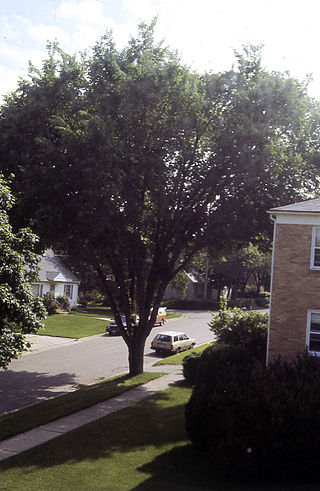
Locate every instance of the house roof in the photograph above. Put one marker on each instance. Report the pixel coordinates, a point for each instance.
(53, 269)
(312, 206)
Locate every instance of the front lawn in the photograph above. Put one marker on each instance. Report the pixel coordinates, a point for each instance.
(81, 324)
(72, 325)
(143, 447)
(32, 416)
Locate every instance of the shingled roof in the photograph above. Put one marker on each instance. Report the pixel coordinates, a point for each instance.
(311, 206)
(53, 269)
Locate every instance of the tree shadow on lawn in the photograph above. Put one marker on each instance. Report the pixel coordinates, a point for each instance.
(151, 422)
(185, 469)
(147, 438)
(20, 389)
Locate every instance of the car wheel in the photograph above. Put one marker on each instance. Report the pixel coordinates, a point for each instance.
(178, 350)
(192, 346)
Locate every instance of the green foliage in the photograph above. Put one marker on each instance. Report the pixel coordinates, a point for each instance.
(235, 326)
(266, 144)
(93, 296)
(219, 359)
(63, 303)
(237, 267)
(50, 304)
(20, 311)
(127, 160)
(259, 422)
(117, 148)
(219, 365)
(180, 283)
(190, 365)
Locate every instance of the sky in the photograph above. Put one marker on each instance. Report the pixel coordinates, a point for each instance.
(204, 32)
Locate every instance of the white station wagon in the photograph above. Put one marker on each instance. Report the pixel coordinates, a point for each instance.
(172, 342)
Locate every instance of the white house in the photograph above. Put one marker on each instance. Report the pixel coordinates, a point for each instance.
(56, 278)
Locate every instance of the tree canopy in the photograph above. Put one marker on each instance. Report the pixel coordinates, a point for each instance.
(126, 160)
(20, 311)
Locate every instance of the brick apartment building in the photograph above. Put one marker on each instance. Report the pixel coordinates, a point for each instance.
(295, 282)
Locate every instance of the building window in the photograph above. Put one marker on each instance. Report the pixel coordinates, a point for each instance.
(68, 291)
(313, 332)
(315, 253)
(52, 289)
(37, 290)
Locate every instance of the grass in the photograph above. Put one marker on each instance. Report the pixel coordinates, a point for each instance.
(173, 315)
(143, 447)
(30, 417)
(78, 325)
(72, 325)
(178, 359)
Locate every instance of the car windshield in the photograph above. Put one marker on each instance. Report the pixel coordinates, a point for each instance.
(163, 337)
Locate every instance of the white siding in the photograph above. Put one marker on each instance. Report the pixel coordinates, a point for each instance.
(59, 290)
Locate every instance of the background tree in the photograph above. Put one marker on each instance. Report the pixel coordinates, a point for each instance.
(267, 148)
(20, 311)
(237, 268)
(180, 283)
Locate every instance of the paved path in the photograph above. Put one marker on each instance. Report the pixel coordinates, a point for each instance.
(32, 438)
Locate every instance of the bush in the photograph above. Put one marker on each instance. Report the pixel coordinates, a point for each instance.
(218, 366)
(238, 327)
(50, 304)
(63, 303)
(190, 364)
(250, 300)
(93, 296)
(260, 422)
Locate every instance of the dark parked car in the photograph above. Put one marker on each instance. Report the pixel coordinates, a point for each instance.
(113, 330)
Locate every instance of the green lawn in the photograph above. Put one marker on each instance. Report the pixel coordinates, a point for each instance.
(177, 359)
(143, 447)
(72, 325)
(86, 322)
(30, 417)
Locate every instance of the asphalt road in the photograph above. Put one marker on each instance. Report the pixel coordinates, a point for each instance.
(60, 368)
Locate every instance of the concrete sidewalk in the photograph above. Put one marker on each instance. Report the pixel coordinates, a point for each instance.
(32, 438)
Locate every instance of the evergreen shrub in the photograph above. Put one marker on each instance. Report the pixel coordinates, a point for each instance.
(257, 421)
(190, 365)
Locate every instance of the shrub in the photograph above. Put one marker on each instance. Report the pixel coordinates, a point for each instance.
(83, 299)
(218, 366)
(50, 304)
(262, 421)
(238, 327)
(190, 364)
(63, 303)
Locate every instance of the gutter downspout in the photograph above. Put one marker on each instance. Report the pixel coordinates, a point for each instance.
(273, 218)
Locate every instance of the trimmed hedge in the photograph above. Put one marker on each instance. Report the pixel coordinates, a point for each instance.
(190, 365)
(256, 421)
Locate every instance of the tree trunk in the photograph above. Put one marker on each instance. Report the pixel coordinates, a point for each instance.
(136, 353)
